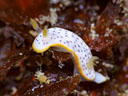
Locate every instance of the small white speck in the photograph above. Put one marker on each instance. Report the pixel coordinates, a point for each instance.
(21, 54)
(34, 88)
(60, 65)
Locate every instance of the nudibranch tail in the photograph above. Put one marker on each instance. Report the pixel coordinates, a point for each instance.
(66, 40)
(100, 78)
(34, 24)
(45, 32)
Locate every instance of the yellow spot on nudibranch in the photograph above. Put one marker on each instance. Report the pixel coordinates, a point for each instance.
(45, 32)
(34, 24)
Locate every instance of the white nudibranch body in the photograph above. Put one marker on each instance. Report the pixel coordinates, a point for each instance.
(64, 40)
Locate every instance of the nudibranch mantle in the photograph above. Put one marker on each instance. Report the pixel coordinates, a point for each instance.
(62, 40)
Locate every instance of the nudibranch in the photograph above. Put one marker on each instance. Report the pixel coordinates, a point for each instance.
(64, 40)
